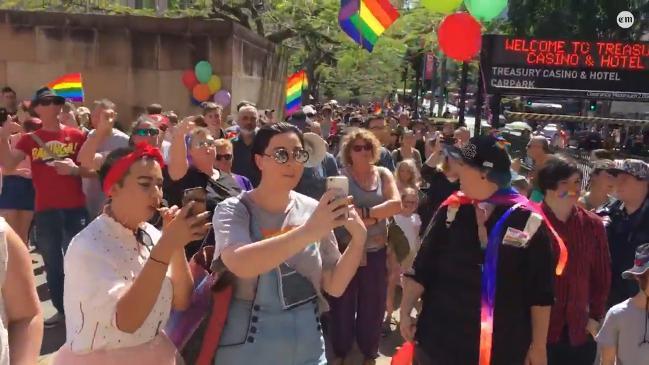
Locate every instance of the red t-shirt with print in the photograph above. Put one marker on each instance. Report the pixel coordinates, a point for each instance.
(54, 191)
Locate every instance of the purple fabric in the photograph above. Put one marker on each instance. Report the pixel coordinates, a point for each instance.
(358, 313)
(243, 182)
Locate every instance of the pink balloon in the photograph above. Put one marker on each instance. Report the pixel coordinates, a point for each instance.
(222, 97)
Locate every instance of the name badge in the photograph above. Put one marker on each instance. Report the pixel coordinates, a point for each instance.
(516, 238)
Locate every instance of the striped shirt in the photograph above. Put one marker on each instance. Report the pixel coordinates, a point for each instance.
(581, 292)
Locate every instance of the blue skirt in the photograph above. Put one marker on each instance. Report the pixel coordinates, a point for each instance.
(17, 193)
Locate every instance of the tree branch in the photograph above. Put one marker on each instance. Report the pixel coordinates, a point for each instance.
(255, 16)
(221, 8)
(281, 35)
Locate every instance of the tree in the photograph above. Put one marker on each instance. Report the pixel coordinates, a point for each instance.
(585, 19)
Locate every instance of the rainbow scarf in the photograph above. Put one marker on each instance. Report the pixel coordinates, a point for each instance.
(69, 86)
(365, 20)
(511, 197)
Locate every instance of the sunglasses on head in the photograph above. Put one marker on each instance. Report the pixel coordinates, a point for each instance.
(282, 155)
(48, 102)
(225, 157)
(143, 238)
(367, 147)
(146, 132)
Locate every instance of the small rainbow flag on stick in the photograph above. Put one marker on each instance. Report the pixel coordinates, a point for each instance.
(365, 20)
(69, 86)
(295, 84)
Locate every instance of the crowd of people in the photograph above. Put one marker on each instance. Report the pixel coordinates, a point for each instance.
(494, 265)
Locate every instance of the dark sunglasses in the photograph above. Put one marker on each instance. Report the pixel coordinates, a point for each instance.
(48, 102)
(367, 147)
(225, 157)
(282, 155)
(146, 132)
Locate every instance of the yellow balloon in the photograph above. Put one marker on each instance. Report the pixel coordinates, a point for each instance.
(214, 84)
(441, 6)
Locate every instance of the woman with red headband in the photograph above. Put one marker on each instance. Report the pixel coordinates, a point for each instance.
(123, 275)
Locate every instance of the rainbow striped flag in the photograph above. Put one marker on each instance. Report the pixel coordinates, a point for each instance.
(295, 84)
(69, 86)
(365, 20)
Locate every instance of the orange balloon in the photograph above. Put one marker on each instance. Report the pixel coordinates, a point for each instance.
(201, 92)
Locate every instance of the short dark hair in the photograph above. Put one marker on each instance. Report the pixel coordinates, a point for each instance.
(556, 169)
(154, 109)
(267, 132)
(371, 118)
(8, 89)
(103, 103)
(110, 161)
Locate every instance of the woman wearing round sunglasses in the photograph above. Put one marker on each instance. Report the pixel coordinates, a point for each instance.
(280, 247)
(358, 314)
(224, 157)
(123, 276)
(193, 164)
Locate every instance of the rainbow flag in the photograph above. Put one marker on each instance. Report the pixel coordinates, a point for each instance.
(295, 84)
(69, 86)
(365, 20)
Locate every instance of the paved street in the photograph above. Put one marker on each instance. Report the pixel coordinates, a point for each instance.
(55, 337)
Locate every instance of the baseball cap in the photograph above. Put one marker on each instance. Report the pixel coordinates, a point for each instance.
(299, 119)
(46, 93)
(636, 168)
(603, 164)
(483, 152)
(640, 264)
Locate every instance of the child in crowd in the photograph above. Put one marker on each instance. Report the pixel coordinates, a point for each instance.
(624, 336)
(409, 222)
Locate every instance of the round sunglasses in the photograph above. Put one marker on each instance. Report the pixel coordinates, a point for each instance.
(282, 155)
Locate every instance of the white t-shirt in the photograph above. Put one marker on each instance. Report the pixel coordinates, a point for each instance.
(410, 227)
(102, 261)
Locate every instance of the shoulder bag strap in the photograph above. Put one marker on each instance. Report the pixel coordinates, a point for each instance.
(42, 145)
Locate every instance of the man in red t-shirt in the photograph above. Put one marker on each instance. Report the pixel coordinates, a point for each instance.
(60, 203)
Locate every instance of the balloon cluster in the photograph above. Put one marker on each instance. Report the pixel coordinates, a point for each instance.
(205, 86)
(460, 34)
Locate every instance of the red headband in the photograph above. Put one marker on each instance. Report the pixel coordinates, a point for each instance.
(121, 166)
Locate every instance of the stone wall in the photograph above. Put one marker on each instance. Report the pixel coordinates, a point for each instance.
(136, 61)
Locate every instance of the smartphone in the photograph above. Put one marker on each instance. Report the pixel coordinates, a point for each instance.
(340, 184)
(199, 197)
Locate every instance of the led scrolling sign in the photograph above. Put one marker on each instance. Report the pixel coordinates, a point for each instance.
(572, 68)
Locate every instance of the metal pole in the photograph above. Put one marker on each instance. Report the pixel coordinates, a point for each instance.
(495, 111)
(433, 87)
(463, 82)
(405, 83)
(479, 101)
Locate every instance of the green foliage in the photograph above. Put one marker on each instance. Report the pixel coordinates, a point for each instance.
(585, 19)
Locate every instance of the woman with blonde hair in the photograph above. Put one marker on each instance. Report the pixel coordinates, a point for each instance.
(407, 175)
(357, 315)
(224, 155)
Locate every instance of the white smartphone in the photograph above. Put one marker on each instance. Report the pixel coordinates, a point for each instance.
(340, 184)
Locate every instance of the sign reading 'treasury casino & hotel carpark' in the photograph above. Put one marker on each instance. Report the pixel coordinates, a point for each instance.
(569, 68)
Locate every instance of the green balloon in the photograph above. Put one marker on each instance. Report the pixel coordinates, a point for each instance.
(441, 6)
(485, 10)
(203, 71)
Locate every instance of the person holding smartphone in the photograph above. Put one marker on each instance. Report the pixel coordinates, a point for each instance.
(192, 164)
(133, 274)
(280, 247)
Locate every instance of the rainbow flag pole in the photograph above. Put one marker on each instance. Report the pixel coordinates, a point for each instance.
(295, 85)
(69, 86)
(365, 20)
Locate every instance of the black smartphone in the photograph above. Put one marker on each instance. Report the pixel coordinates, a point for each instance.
(199, 197)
